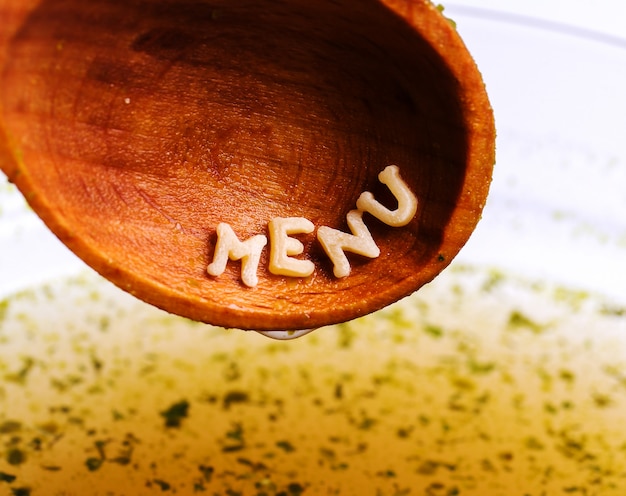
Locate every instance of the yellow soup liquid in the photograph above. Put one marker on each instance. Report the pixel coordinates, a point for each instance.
(479, 384)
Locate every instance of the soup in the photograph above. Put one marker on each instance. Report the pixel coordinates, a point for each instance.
(477, 384)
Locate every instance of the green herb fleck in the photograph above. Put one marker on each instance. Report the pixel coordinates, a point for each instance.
(295, 489)
(10, 427)
(198, 487)
(4, 308)
(93, 463)
(236, 439)
(338, 391)
(231, 448)
(609, 310)
(175, 414)
(345, 336)
(574, 489)
(96, 363)
(518, 320)
(15, 456)
(100, 445)
(506, 456)
(366, 423)
(233, 397)
(254, 466)
(533, 443)
(428, 467)
(164, 486)
(567, 375)
(20, 376)
(286, 446)
(4, 477)
(51, 468)
(404, 432)
(121, 460)
(494, 280)
(602, 400)
(232, 372)
(433, 331)
(207, 472)
(441, 8)
(20, 491)
(477, 367)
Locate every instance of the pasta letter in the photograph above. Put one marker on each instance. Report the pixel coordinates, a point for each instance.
(282, 246)
(407, 202)
(229, 247)
(335, 243)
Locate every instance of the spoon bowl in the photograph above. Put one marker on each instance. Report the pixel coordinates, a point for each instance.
(135, 128)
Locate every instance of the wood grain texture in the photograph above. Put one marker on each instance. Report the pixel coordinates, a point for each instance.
(133, 128)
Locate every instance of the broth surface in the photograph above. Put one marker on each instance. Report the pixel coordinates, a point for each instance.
(479, 384)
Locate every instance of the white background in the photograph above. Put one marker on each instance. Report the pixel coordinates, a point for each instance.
(607, 16)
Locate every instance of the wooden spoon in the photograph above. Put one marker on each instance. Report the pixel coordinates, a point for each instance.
(135, 128)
